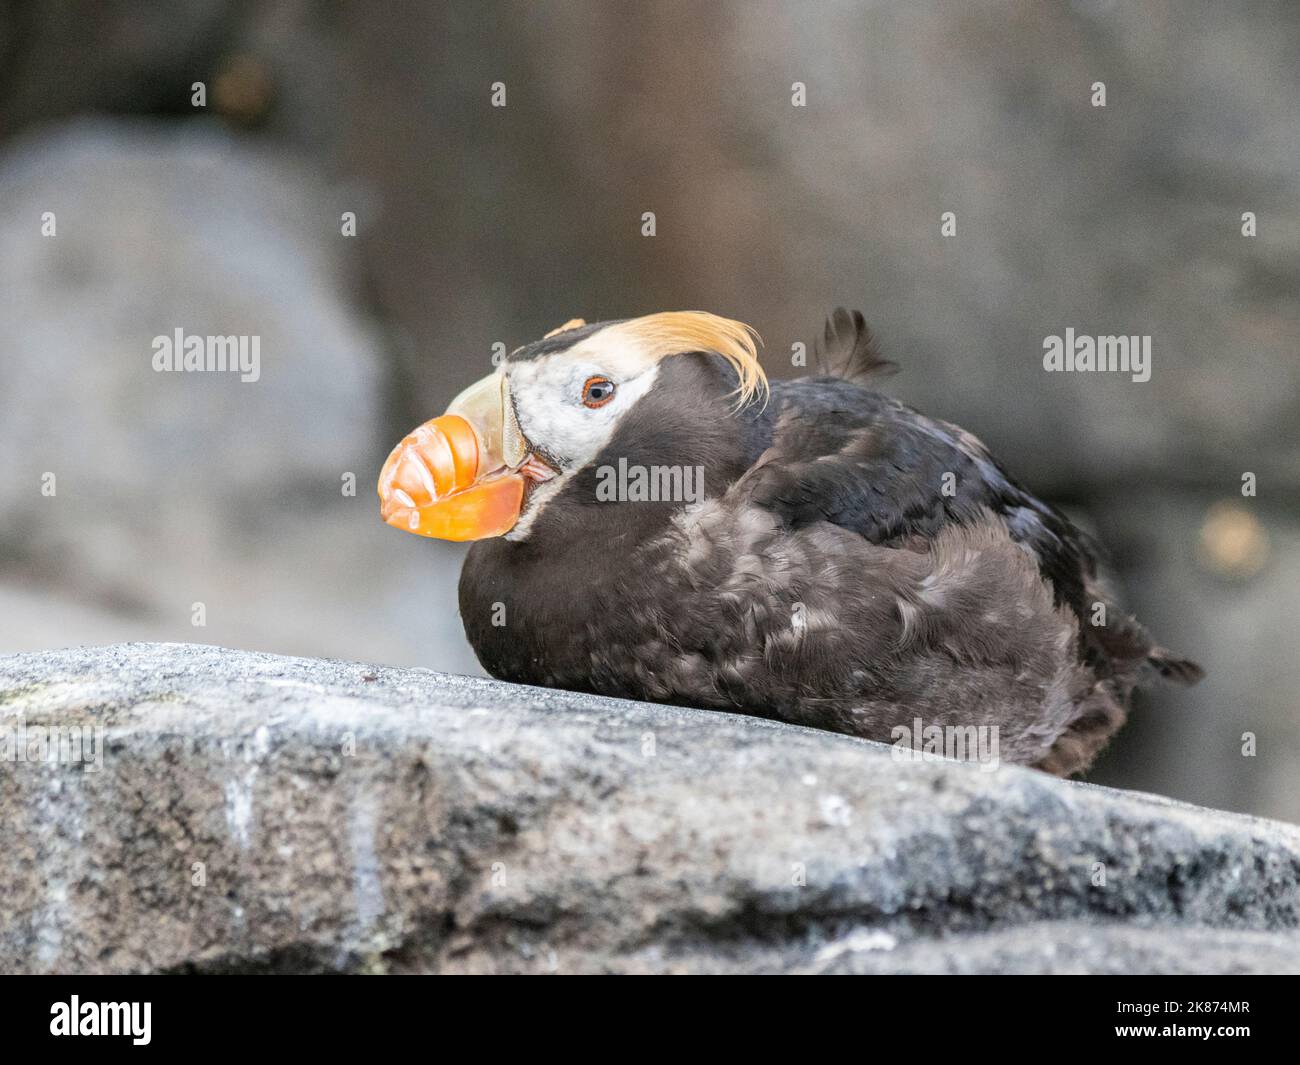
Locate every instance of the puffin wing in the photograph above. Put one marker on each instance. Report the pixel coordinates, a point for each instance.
(866, 462)
(844, 454)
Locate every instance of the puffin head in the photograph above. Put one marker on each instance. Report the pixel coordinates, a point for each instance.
(509, 443)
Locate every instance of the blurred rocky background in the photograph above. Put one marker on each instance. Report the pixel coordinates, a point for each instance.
(478, 225)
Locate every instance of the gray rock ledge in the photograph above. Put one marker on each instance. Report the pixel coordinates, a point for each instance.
(258, 813)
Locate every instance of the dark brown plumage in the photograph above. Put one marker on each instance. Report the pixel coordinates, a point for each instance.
(854, 565)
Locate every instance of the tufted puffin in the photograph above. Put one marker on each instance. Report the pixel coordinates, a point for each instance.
(654, 520)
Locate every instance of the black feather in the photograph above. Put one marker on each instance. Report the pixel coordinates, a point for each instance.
(848, 349)
(1174, 669)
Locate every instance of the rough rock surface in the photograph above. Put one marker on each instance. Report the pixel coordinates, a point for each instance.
(260, 813)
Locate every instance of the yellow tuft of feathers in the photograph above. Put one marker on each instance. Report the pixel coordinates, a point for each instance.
(679, 332)
(572, 323)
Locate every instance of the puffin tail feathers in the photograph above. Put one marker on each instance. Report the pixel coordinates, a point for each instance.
(1174, 669)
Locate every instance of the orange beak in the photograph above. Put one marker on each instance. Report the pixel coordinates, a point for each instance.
(458, 476)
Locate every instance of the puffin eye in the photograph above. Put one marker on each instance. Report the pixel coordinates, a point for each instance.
(597, 392)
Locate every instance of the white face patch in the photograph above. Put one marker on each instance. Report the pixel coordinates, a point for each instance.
(547, 394)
